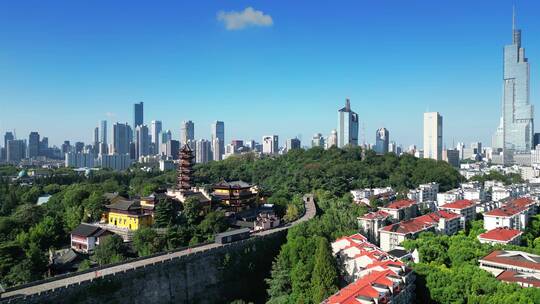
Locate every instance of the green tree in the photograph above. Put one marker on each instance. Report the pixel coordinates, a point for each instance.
(192, 211)
(214, 222)
(324, 277)
(147, 242)
(165, 213)
(110, 250)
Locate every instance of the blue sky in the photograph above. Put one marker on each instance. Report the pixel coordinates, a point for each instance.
(65, 65)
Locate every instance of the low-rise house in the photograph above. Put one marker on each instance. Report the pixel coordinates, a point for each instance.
(449, 196)
(401, 210)
(384, 282)
(370, 223)
(354, 254)
(266, 220)
(443, 222)
(514, 214)
(86, 237)
(465, 208)
(513, 266)
(501, 235)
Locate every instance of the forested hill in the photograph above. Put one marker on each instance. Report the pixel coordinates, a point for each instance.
(335, 170)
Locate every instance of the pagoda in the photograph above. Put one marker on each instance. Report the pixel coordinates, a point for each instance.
(184, 169)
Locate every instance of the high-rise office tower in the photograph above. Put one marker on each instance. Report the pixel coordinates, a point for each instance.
(216, 150)
(66, 147)
(332, 139)
(96, 139)
(44, 147)
(270, 144)
(7, 137)
(16, 150)
(166, 136)
(79, 147)
(138, 114)
(382, 139)
(347, 133)
(155, 131)
(433, 132)
(142, 141)
(293, 143)
(172, 147)
(516, 128)
(218, 131)
(103, 132)
(33, 144)
(317, 140)
(121, 138)
(187, 132)
(203, 151)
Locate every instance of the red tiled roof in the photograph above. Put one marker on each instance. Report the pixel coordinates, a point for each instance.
(519, 277)
(400, 204)
(459, 204)
(501, 234)
(514, 258)
(420, 223)
(511, 208)
(362, 287)
(379, 214)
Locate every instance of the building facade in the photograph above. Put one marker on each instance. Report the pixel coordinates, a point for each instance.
(516, 128)
(347, 133)
(382, 137)
(270, 144)
(433, 135)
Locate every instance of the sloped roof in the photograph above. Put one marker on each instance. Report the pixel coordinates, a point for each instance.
(501, 234)
(459, 204)
(514, 258)
(399, 204)
(232, 184)
(85, 230)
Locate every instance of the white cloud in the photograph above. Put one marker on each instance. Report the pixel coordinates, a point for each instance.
(248, 17)
(110, 114)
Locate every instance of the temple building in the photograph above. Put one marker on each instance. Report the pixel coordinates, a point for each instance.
(129, 214)
(184, 188)
(185, 169)
(236, 195)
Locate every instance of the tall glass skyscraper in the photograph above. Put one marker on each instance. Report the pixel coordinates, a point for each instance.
(138, 114)
(218, 132)
(382, 139)
(516, 128)
(347, 126)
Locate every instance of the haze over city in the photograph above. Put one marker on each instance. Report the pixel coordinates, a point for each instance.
(261, 67)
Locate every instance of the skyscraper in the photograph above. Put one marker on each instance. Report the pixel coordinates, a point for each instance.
(96, 140)
(347, 126)
(187, 132)
(142, 142)
(103, 132)
(382, 139)
(33, 144)
(138, 114)
(317, 140)
(7, 137)
(203, 151)
(218, 131)
(121, 138)
(516, 128)
(16, 150)
(332, 140)
(293, 143)
(433, 132)
(270, 144)
(155, 131)
(166, 136)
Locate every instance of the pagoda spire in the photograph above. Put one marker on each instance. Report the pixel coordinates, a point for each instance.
(184, 169)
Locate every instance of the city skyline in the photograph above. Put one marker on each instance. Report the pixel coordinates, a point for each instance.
(387, 99)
